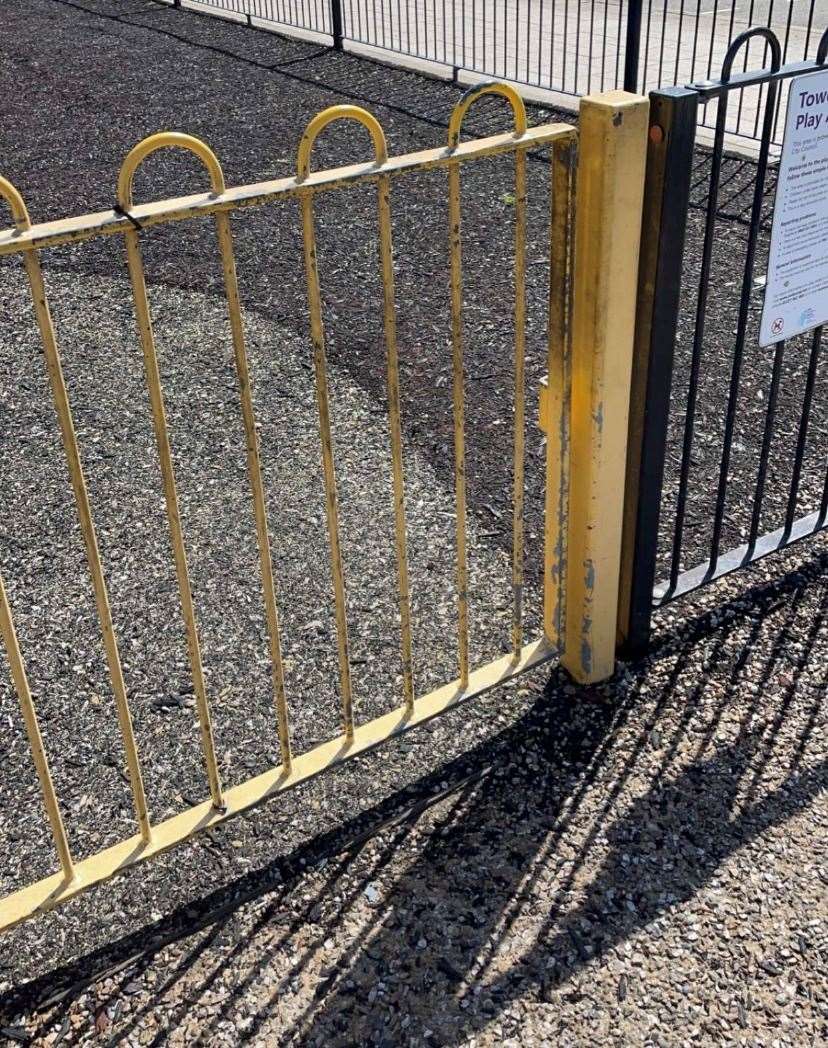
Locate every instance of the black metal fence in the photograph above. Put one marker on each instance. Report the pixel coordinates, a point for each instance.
(572, 47)
(729, 441)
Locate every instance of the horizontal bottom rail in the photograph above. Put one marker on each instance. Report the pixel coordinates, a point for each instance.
(54, 890)
(740, 557)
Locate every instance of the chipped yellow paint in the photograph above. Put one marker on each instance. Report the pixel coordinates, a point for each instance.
(41, 762)
(555, 394)
(127, 219)
(57, 889)
(195, 205)
(456, 281)
(610, 183)
(135, 266)
(66, 424)
(320, 121)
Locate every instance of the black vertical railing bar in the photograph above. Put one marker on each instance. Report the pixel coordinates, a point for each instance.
(528, 38)
(632, 47)
(494, 37)
(565, 43)
(762, 86)
(484, 34)
(505, 35)
(730, 37)
(416, 26)
(604, 47)
(337, 31)
(578, 47)
(516, 77)
(695, 41)
(802, 434)
(642, 79)
(808, 30)
(764, 455)
(553, 24)
(463, 60)
(678, 42)
(375, 32)
(474, 32)
(784, 60)
(747, 282)
(744, 70)
(673, 124)
(347, 20)
(713, 21)
(661, 49)
(698, 339)
(541, 38)
(591, 36)
(823, 506)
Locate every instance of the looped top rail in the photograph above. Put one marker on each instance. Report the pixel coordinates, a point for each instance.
(164, 140)
(328, 116)
(765, 34)
(471, 96)
(17, 205)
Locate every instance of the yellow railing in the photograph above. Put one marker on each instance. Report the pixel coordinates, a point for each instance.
(577, 607)
(127, 219)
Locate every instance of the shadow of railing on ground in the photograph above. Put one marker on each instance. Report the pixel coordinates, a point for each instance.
(512, 805)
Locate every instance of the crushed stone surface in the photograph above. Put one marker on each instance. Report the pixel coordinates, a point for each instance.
(639, 863)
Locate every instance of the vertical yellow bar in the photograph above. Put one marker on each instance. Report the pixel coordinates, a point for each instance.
(70, 445)
(331, 507)
(139, 293)
(520, 402)
(610, 185)
(394, 416)
(254, 468)
(24, 695)
(456, 278)
(555, 393)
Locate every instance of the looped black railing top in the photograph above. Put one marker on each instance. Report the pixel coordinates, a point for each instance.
(736, 46)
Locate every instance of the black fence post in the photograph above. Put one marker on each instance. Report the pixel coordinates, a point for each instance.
(632, 48)
(673, 114)
(336, 23)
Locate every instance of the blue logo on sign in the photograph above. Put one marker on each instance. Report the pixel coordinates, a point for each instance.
(806, 317)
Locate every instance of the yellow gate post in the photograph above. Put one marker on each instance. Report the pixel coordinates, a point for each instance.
(609, 195)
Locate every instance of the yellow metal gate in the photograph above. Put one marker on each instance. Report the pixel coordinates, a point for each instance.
(583, 412)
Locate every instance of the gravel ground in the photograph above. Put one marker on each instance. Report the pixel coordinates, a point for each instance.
(645, 865)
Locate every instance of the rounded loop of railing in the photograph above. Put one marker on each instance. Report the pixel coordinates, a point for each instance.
(164, 140)
(767, 35)
(822, 49)
(327, 116)
(17, 205)
(492, 87)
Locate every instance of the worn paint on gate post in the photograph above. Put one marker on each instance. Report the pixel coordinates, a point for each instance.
(610, 186)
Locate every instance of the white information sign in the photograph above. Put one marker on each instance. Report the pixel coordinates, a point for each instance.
(796, 294)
